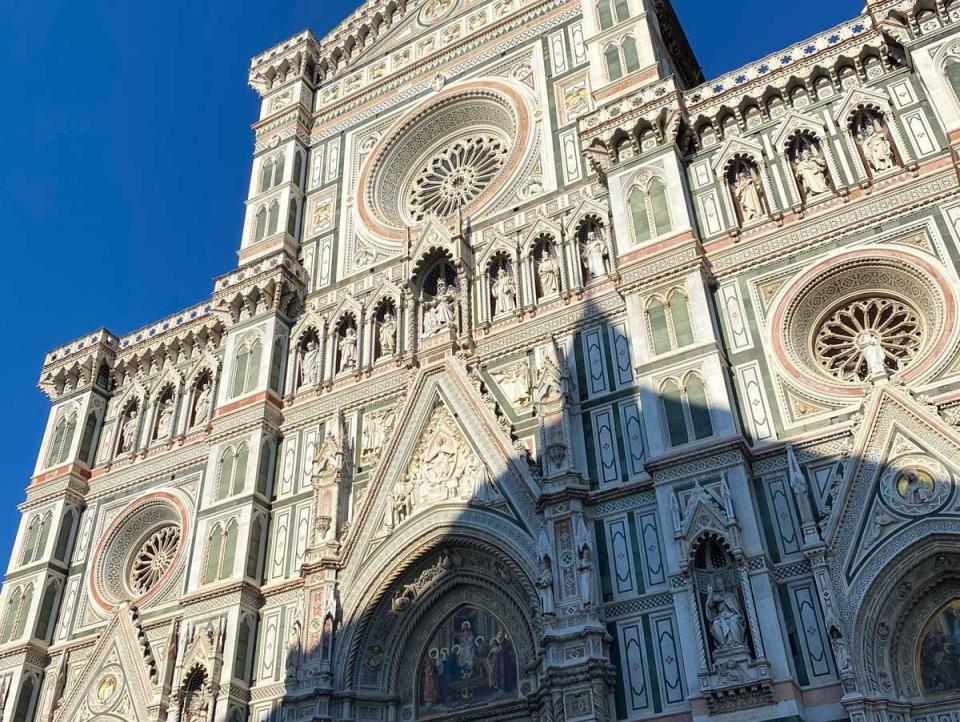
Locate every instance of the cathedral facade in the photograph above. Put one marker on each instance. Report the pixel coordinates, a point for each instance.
(553, 382)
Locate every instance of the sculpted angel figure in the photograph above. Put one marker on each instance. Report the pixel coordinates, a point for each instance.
(725, 616)
(504, 292)
(594, 255)
(811, 170)
(549, 271)
(748, 195)
(388, 335)
(348, 349)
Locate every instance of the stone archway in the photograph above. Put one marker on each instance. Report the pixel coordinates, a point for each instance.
(913, 592)
(456, 578)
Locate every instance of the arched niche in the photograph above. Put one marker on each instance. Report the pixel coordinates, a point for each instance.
(424, 608)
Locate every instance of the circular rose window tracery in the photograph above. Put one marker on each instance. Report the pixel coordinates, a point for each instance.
(841, 339)
(454, 176)
(154, 558)
(139, 552)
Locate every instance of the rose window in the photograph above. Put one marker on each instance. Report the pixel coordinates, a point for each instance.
(154, 558)
(455, 176)
(840, 340)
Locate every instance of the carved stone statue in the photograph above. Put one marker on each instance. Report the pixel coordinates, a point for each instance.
(294, 651)
(593, 251)
(440, 311)
(309, 363)
(545, 574)
(549, 271)
(876, 148)
(873, 354)
(516, 382)
(201, 404)
(504, 291)
(748, 195)
(375, 426)
(348, 349)
(165, 419)
(840, 652)
(811, 170)
(388, 335)
(128, 431)
(584, 562)
(725, 616)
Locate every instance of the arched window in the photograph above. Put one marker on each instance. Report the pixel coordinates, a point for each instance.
(261, 228)
(254, 552)
(229, 551)
(266, 175)
(45, 616)
(631, 58)
(247, 368)
(292, 212)
(273, 218)
(23, 612)
(37, 536)
(62, 439)
(673, 410)
(214, 552)
(30, 543)
(25, 701)
(241, 657)
(276, 363)
(680, 318)
(649, 211)
(278, 170)
(687, 410)
(10, 618)
(612, 57)
(659, 330)
(298, 169)
(65, 535)
(225, 473)
(610, 12)
(240, 469)
(86, 440)
(265, 468)
(952, 71)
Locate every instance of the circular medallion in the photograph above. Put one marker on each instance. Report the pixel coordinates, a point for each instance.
(154, 558)
(106, 692)
(915, 485)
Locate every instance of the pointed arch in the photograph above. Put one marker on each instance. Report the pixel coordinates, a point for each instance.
(672, 400)
(278, 167)
(266, 175)
(273, 217)
(240, 469)
(260, 225)
(211, 565)
(229, 550)
(225, 473)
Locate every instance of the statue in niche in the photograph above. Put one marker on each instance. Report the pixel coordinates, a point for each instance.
(165, 419)
(725, 616)
(201, 404)
(309, 363)
(549, 272)
(840, 653)
(811, 170)
(594, 253)
(545, 574)
(440, 310)
(294, 651)
(128, 430)
(375, 426)
(584, 562)
(388, 335)
(504, 291)
(348, 349)
(876, 147)
(747, 192)
(873, 355)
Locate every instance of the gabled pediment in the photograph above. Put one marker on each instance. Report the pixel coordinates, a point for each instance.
(793, 123)
(857, 98)
(733, 147)
(118, 678)
(899, 489)
(448, 465)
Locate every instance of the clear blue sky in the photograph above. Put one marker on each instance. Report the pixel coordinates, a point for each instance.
(126, 154)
